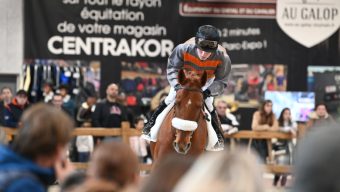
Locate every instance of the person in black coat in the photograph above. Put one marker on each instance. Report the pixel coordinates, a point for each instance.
(14, 110)
(109, 112)
(6, 99)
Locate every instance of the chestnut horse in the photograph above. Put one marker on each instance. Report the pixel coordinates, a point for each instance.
(184, 129)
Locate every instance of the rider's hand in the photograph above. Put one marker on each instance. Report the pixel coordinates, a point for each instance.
(206, 93)
(178, 87)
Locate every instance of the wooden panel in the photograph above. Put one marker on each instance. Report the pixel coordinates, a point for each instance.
(10, 131)
(98, 131)
(125, 130)
(278, 169)
(80, 165)
(259, 135)
(142, 166)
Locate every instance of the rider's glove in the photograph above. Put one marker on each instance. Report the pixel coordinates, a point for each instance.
(178, 87)
(206, 93)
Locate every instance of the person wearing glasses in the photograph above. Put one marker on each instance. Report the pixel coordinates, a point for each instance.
(200, 53)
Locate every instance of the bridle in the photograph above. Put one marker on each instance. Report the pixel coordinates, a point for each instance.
(193, 124)
(193, 90)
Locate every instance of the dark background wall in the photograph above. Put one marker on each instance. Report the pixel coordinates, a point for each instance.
(42, 17)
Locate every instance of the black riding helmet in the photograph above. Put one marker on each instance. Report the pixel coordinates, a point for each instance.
(207, 38)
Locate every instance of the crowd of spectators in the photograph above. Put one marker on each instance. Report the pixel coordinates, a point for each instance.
(37, 156)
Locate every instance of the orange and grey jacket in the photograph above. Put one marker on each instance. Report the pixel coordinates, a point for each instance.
(217, 66)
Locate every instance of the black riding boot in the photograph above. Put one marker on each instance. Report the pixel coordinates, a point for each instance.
(153, 118)
(216, 124)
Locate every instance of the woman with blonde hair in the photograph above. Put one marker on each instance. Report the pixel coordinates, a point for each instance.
(236, 171)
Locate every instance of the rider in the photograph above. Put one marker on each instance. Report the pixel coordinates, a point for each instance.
(199, 53)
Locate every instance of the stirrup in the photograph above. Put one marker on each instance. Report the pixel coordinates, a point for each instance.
(219, 146)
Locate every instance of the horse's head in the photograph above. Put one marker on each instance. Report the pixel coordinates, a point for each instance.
(188, 108)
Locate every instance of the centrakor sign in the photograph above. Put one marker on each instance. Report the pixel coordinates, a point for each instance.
(308, 22)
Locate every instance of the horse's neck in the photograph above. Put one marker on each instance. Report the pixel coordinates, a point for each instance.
(170, 114)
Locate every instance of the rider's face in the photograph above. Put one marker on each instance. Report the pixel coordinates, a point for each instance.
(203, 55)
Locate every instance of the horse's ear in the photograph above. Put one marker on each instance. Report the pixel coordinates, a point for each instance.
(204, 78)
(181, 77)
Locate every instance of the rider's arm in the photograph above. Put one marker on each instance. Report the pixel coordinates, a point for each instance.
(175, 63)
(221, 75)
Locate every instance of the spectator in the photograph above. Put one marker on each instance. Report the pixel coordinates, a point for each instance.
(229, 122)
(227, 171)
(57, 101)
(264, 120)
(84, 115)
(169, 171)
(6, 98)
(153, 103)
(14, 110)
(113, 167)
(319, 117)
(48, 92)
(317, 161)
(109, 113)
(137, 143)
(287, 125)
(84, 145)
(68, 103)
(6, 95)
(159, 97)
(38, 147)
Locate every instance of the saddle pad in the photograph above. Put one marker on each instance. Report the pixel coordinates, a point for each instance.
(211, 137)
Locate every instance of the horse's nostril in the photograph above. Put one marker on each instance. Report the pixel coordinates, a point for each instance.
(188, 145)
(175, 144)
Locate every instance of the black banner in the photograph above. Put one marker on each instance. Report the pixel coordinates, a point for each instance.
(147, 30)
